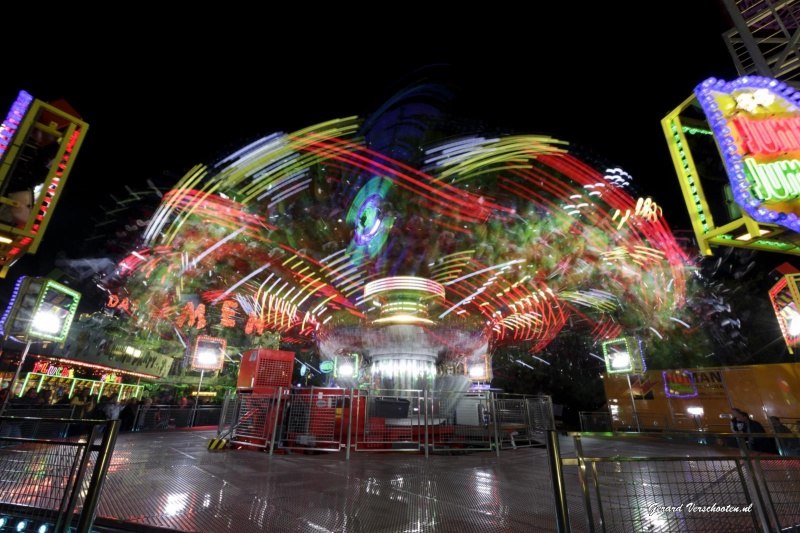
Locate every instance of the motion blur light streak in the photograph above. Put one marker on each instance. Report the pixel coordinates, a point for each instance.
(405, 237)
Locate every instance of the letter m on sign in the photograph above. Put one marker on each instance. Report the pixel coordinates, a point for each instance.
(189, 314)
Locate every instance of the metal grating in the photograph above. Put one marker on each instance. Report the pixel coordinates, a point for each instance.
(273, 373)
(764, 39)
(51, 472)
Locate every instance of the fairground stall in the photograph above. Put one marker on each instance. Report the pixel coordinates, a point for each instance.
(69, 377)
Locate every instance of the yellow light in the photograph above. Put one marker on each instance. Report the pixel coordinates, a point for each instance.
(747, 236)
(403, 319)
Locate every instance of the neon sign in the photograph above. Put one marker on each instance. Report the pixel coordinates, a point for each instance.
(43, 367)
(623, 355)
(15, 115)
(756, 122)
(784, 297)
(679, 384)
(209, 353)
(276, 313)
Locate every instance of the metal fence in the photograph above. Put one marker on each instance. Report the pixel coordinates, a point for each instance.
(331, 419)
(719, 489)
(173, 416)
(52, 471)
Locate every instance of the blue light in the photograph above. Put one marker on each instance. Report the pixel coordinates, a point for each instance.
(3, 521)
(43, 528)
(21, 525)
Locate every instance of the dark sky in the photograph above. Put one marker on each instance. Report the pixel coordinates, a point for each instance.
(164, 95)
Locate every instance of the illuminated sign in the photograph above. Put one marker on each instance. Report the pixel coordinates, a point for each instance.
(784, 296)
(679, 384)
(189, 316)
(346, 366)
(479, 370)
(623, 355)
(326, 367)
(209, 353)
(15, 115)
(43, 367)
(756, 122)
(40, 308)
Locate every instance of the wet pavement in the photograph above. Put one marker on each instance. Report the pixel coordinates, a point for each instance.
(170, 480)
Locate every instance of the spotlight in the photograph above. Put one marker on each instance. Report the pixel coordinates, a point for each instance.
(3, 521)
(21, 525)
(476, 371)
(43, 528)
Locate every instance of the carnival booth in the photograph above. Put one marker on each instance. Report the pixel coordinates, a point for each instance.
(68, 377)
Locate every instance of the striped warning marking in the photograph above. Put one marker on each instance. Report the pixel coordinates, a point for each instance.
(217, 444)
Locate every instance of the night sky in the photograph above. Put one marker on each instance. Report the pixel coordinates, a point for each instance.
(168, 94)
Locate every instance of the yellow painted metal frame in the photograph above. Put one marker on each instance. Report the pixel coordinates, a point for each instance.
(774, 239)
(26, 240)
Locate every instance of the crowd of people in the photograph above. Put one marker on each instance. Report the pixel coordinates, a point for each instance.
(133, 412)
(742, 422)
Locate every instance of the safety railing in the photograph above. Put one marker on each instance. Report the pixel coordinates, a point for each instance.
(256, 418)
(332, 419)
(52, 472)
(594, 420)
(718, 489)
(173, 416)
(788, 431)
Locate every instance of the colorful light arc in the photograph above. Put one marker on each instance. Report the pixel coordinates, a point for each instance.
(298, 231)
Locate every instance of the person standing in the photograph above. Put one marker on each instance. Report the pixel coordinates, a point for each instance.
(45, 397)
(788, 445)
(111, 409)
(738, 425)
(738, 422)
(143, 410)
(757, 444)
(128, 413)
(31, 398)
(80, 402)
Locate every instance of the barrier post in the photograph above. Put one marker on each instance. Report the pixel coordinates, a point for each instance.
(275, 421)
(104, 453)
(557, 477)
(350, 423)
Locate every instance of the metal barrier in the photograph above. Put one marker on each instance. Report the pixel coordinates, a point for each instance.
(595, 421)
(52, 471)
(311, 419)
(227, 416)
(41, 421)
(389, 420)
(719, 489)
(789, 431)
(173, 416)
(320, 419)
(256, 419)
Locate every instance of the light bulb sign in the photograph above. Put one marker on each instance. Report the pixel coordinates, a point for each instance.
(40, 308)
(209, 353)
(479, 370)
(784, 296)
(756, 122)
(346, 366)
(679, 384)
(623, 356)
